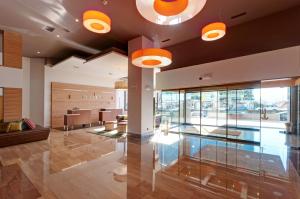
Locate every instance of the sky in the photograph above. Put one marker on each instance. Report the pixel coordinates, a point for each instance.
(271, 95)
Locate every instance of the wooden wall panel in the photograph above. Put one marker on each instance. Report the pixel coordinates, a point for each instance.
(12, 104)
(12, 49)
(67, 96)
(1, 107)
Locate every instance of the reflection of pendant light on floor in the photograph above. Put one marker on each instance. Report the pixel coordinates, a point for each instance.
(151, 58)
(96, 21)
(213, 31)
(169, 12)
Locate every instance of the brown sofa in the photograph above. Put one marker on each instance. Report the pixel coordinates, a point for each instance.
(21, 137)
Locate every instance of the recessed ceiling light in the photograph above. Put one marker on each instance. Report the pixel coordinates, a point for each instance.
(105, 2)
(57, 36)
(76, 20)
(38, 52)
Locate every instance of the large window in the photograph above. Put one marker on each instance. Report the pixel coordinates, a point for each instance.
(122, 99)
(170, 107)
(209, 102)
(248, 107)
(275, 106)
(244, 114)
(192, 107)
(236, 112)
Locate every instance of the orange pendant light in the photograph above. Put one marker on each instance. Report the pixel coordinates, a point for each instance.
(213, 31)
(170, 7)
(96, 21)
(151, 58)
(169, 12)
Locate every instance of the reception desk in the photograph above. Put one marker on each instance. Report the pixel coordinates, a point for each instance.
(77, 117)
(88, 116)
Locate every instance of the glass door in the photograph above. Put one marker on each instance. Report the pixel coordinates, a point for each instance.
(232, 112)
(244, 114)
(170, 109)
(192, 107)
(214, 113)
(192, 112)
(275, 106)
(248, 108)
(209, 102)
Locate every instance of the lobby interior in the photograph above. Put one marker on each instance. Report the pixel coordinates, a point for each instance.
(149, 99)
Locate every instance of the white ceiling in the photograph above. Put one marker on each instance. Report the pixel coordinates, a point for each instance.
(111, 65)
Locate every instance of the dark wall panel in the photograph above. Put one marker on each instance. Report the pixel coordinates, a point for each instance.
(273, 32)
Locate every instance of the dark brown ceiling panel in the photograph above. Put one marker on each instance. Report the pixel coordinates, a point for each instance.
(32, 17)
(273, 32)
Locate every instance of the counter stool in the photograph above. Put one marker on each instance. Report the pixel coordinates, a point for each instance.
(110, 125)
(122, 127)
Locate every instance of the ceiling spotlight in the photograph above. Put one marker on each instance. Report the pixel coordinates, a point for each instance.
(77, 20)
(151, 58)
(105, 2)
(38, 52)
(214, 31)
(96, 21)
(169, 12)
(57, 36)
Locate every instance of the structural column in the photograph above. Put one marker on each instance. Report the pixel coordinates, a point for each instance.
(140, 92)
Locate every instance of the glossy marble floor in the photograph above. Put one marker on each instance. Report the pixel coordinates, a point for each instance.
(84, 165)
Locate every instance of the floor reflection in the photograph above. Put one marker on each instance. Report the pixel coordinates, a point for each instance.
(84, 165)
(226, 169)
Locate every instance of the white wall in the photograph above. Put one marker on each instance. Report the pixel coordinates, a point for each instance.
(37, 90)
(58, 75)
(18, 78)
(35, 80)
(281, 63)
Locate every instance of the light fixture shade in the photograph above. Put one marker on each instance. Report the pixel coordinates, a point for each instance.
(121, 85)
(170, 7)
(96, 21)
(213, 31)
(169, 12)
(151, 58)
